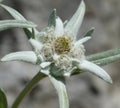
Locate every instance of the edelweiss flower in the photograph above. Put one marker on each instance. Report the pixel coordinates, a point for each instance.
(56, 49)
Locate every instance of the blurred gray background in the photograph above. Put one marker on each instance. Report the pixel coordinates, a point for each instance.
(85, 90)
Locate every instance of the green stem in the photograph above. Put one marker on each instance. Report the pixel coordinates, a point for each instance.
(39, 76)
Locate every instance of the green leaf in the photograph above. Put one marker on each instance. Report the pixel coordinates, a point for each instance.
(18, 16)
(13, 12)
(33, 33)
(52, 18)
(65, 22)
(3, 99)
(90, 32)
(7, 24)
(107, 60)
(30, 34)
(104, 54)
(105, 57)
(59, 84)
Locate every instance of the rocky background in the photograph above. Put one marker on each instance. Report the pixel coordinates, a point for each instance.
(85, 90)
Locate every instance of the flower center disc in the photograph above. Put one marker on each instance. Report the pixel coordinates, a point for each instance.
(62, 45)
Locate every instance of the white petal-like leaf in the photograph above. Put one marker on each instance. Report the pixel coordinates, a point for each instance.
(61, 91)
(36, 44)
(27, 56)
(7, 24)
(75, 22)
(45, 64)
(45, 71)
(93, 68)
(59, 27)
(81, 41)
